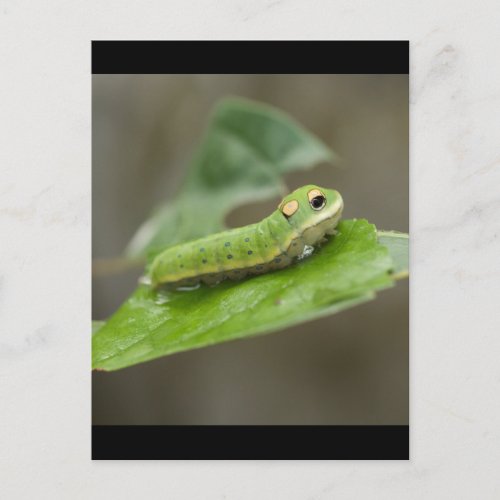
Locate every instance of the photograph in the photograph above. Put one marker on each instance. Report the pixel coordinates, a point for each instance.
(250, 250)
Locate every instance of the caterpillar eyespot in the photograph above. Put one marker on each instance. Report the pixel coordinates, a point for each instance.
(318, 202)
(317, 199)
(290, 233)
(290, 208)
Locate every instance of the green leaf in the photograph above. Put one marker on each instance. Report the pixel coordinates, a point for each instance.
(96, 326)
(397, 243)
(346, 271)
(247, 148)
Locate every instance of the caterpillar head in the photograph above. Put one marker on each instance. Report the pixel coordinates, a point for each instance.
(312, 207)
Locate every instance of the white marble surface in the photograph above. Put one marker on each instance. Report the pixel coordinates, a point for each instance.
(45, 248)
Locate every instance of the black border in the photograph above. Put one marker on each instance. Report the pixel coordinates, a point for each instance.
(335, 442)
(250, 442)
(249, 57)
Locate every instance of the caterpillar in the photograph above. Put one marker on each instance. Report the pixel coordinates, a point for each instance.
(300, 222)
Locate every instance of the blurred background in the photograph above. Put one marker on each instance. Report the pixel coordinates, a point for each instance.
(350, 368)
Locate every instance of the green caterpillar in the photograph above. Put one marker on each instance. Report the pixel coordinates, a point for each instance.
(301, 221)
